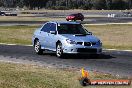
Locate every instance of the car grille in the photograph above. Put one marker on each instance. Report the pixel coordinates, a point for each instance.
(87, 43)
(80, 43)
(93, 43)
(86, 50)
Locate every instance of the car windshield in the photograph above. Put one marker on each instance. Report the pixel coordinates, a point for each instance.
(71, 29)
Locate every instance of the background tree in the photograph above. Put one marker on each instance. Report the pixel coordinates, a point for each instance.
(68, 4)
(130, 4)
(1, 3)
(119, 5)
(99, 4)
(108, 4)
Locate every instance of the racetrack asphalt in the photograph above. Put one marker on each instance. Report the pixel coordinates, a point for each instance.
(91, 20)
(113, 62)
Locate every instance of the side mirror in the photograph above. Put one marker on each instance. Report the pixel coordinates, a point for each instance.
(52, 32)
(90, 33)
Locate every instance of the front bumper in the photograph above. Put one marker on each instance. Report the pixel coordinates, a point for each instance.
(80, 49)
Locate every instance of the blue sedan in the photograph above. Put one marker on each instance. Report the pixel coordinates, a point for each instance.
(65, 38)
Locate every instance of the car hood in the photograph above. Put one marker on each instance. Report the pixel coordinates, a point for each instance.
(81, 38)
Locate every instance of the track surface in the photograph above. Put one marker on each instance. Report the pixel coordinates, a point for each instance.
(115, 62)
(91, 20)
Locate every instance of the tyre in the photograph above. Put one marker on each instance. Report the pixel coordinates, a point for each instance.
(59, 51)
(74, 20)
(37, 47)
(67, 19)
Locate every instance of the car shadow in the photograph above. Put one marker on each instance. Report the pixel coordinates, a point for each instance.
(82, 56)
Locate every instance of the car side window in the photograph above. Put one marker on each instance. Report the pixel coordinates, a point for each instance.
(79, 15)
(49, 27)
(76, 15)
(46, 28)
(53, 27)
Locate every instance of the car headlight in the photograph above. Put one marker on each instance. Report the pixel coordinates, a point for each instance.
(70, 41)
(99, 42)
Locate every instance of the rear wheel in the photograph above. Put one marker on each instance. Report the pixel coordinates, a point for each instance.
(37, 47)
(67, 19)
(74, 19)
(59, 51)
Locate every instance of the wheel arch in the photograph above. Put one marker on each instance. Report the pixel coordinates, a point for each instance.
(58, 42)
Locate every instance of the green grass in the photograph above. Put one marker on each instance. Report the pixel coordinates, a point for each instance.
(112, 36)
(33, 76)
(16, 34)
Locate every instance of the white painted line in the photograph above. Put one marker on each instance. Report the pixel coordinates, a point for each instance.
(32, 45)
(108, 23)
(19, 62)
(15, 62)
(14, 44)
(118, 50)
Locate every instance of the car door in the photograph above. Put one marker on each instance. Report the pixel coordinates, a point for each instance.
(79, 16)
(44, 35)
(52, 37)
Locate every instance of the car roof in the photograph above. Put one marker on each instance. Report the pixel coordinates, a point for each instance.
(75, 14)
(64, 22)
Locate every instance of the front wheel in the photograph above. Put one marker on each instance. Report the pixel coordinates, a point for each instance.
(37, 47)
(59, 51)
